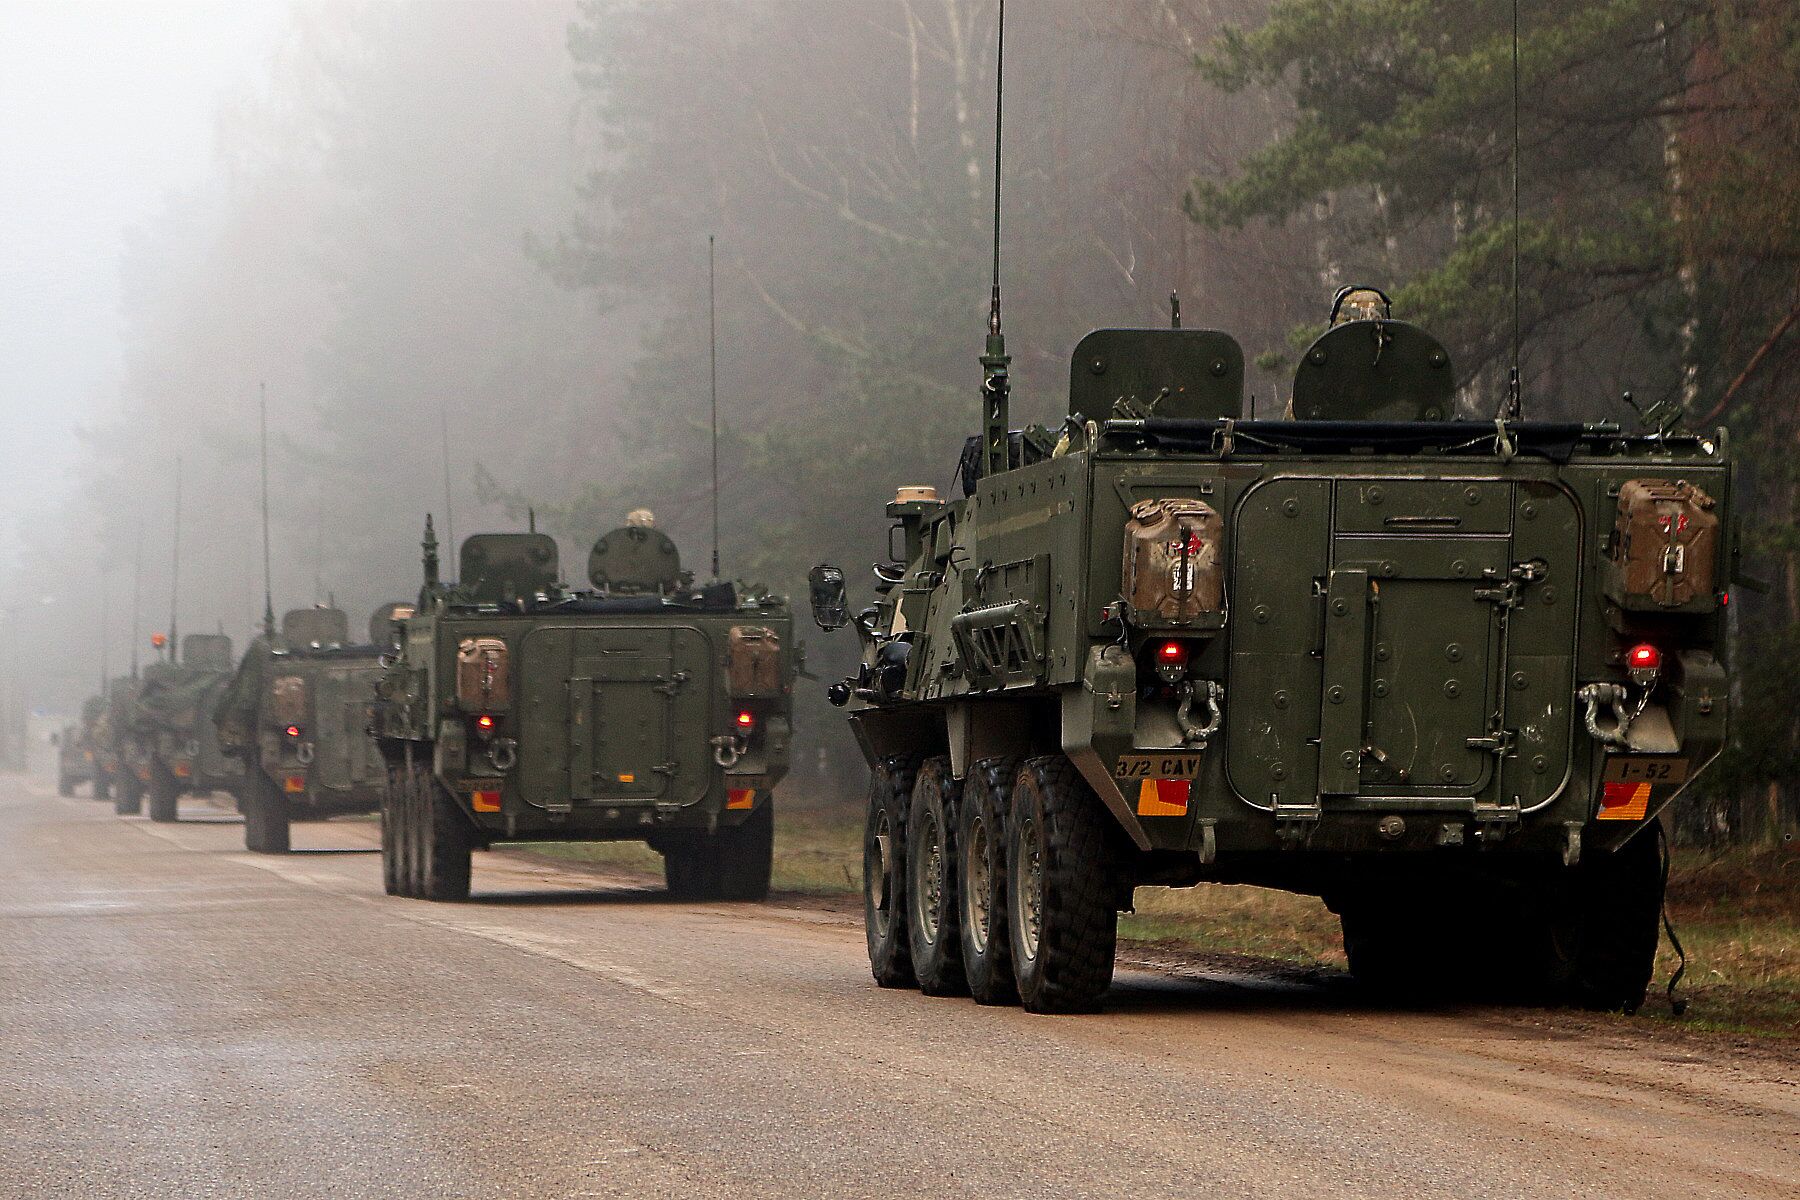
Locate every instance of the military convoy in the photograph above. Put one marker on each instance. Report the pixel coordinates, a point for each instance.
(171, 724)
(1442, 672)
(649, 708)
(297, 715)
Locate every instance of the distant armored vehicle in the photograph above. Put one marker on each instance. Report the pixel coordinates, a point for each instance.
(172, 722)
(297, 713)
(648, 709)
(75, 756)
(117, 755)
(1443, 673)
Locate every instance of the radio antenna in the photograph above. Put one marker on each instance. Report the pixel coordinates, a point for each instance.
(449, 516)
(262, 426)
(1514, 401)
(137, 594)
(996, 386)
(175, 575)
(712, 351)
(105, 630)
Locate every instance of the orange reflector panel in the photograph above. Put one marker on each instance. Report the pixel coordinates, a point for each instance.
(485, 801)
(1163, 797)
(294, 783)
(740, 798)
(183, 770)
(628, 778)
(1624, 801)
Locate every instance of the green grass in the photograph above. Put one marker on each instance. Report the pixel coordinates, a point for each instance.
(1738, 916)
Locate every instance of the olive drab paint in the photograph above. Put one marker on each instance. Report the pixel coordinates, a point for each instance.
(646, 707)
(1372, 652)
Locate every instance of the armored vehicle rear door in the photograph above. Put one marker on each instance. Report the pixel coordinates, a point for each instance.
(344, 755)
(1402, 642)
(615, 714)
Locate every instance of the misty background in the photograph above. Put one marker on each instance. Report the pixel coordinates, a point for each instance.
(463, 246)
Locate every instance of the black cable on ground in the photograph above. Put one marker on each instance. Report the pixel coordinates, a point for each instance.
(1677, 1004)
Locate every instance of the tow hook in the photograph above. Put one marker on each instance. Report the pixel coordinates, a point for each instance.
(503, 753)
(1612, 727)
(727, 750)
(304, 752)
(1198, 735)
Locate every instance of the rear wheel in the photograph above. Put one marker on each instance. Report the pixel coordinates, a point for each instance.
(265, 816)
(981, 855)
(165, 794)
(934, 914)
(1061, 867)
(747, 855)
(102, 786)
(691, 868)
(446, 842)
(390, 820)
(64, 785)
(128, 796)
(1595, 946)
(884, 872)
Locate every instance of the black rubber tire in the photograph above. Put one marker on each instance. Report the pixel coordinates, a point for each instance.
(691, 868)
(934, 906)
(1397, 951)
(164, 794)
(103, 787)
(884, 872)
(128, 796)
(65, 786)
(1594, 946)
(390, 822)
(746, 855)
(266, 825)
(446, 842)
(1061, 851)
(981, 880)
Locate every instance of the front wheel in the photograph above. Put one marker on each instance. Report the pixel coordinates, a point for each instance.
(266, 820)
(884, 872)
(1061, 867)
(1595, 946)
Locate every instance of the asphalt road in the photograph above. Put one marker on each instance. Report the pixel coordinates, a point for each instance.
(179, 1018)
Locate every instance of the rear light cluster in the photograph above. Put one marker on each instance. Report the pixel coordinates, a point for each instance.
(484, 724)
(292, 731)
(1171, 659)
(1643, 662)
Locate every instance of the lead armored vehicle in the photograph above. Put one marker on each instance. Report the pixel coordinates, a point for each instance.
(172, 722)
(298, 714)
(646, 709)
(1444, 673)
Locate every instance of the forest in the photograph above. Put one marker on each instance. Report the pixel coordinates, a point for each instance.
(462, 250)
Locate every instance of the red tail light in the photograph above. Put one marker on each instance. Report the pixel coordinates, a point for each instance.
(1172, 652)
(1644, 657)
(746, 720)
(293, 731)
(1171, 658)
(485, 723)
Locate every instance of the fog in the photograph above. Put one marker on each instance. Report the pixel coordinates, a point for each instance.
(462, 248)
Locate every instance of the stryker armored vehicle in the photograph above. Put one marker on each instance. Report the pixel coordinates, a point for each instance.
(172, 721)
(75, 755)
(298, 714)
(117, 755)
(1443, 673)
(647, 709)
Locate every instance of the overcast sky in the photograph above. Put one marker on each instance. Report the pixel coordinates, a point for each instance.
(105, 108)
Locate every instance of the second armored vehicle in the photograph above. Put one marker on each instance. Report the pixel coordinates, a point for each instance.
(298, 714)
(75, 755)
(647, 709)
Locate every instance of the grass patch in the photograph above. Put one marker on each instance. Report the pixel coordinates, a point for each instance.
(1738, 915)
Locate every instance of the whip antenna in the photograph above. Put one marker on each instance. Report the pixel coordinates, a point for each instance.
(449, 516)
(262, 424)
(996, 386)
(1513, 398)
(137, 593)
(712, 350)
(175, 575)
(105, 631)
